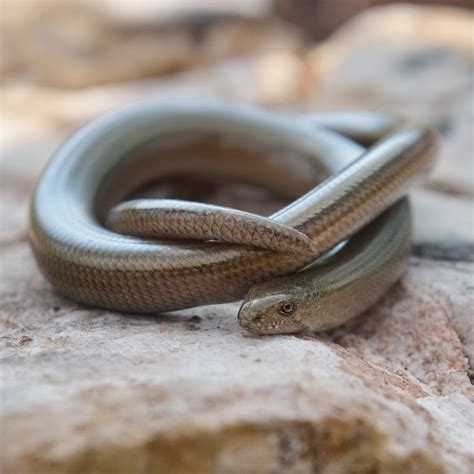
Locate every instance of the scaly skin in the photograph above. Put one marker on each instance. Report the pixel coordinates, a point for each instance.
(114, 155)
(332, 293)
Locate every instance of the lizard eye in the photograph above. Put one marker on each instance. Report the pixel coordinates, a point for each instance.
(288, 308)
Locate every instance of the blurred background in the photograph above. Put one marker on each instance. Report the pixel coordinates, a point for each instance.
(64, 62)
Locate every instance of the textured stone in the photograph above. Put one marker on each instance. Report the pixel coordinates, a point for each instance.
(92, 391)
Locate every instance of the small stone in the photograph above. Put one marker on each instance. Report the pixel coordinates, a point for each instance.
(195, 319)
(24, 340)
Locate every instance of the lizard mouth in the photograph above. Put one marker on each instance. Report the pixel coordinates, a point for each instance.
(249, 319)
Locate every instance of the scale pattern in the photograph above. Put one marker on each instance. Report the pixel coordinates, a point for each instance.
(104, 161)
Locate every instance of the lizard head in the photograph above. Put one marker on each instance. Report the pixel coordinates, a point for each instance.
(275, 307)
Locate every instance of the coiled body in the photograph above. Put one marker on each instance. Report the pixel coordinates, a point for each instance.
(113, 156)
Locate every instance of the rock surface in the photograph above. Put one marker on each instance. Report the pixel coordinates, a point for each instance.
(92, 391)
